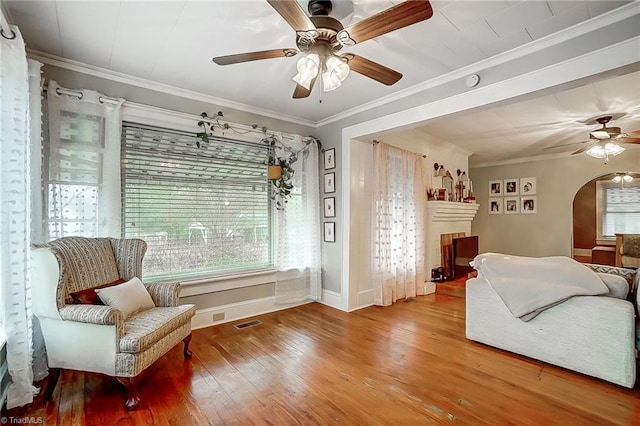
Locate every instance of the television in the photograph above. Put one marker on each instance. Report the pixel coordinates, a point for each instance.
(465, 249)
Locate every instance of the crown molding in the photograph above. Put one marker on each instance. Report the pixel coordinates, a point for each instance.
(593, 24)
(119, 77)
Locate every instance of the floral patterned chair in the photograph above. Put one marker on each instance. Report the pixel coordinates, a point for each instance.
(628, 250)
(83, 334)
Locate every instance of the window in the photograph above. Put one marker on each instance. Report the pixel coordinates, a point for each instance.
(202, 211)
(74, 167)
(618, 208)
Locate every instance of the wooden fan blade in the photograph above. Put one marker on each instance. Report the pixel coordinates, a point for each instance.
(565, 144)
(394, 18)
(629, 140)
(583, 149)
(254, 56)
(372, 69)
(293, 13)
(301, 92)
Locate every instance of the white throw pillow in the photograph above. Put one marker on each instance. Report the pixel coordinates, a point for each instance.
(128, 298)
(618, 286)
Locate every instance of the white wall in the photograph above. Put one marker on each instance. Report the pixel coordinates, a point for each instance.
(548, 232)
(360, 288)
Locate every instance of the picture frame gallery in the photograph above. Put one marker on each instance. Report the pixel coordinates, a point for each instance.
(329, 203)
(513, 196)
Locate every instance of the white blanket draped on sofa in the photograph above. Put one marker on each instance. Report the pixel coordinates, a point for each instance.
(527, 285)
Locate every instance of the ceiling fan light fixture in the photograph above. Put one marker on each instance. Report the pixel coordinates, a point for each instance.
(596, 151)
(336, 72)
(613, 149)
(308, 67)
(600, 151)
(626, 178)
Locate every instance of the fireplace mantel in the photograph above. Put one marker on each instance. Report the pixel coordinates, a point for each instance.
(450, 211)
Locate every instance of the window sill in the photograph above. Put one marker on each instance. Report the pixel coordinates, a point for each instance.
(605, 241)
(214, 284)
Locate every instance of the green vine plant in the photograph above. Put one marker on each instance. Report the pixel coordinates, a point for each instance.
(282, 182)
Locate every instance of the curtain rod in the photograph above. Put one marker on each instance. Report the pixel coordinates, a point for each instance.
(5, 29)
(78, 94)
(375, 142)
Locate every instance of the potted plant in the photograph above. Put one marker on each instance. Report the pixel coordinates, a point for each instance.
(280, 172)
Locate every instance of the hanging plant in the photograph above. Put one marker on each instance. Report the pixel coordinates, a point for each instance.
(279, 167)
(209, 126)
(280, 171)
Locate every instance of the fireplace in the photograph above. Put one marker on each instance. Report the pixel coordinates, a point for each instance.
(444, 217)
(464, 249)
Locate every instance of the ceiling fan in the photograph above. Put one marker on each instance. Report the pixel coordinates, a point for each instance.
(320, 37)
(604, 141)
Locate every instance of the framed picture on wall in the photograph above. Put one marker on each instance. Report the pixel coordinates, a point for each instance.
(330, 207)
(495, 188)
(511, 187)
(511, 205)
(495, 206)
(528, 186)
(330, 159)
(528, 205)
(330, 232)
(329, 183)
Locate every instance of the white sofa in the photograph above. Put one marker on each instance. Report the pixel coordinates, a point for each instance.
(594, 335)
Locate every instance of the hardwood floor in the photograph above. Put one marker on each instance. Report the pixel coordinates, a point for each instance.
(409, 363)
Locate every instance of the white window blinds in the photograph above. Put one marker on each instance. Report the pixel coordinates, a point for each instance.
(622, 210)
(203, 211)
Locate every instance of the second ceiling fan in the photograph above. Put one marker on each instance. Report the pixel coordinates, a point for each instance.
(320, 37)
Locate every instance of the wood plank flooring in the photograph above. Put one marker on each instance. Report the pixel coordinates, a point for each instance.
(409, 363)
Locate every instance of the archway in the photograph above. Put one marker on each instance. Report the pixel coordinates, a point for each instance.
(588, 243)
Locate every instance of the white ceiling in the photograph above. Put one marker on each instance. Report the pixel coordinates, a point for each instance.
(172, 42)
(548, 125)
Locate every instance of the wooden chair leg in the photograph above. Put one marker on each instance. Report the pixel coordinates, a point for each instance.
(132, 395)
(54, 375)
(187, 352)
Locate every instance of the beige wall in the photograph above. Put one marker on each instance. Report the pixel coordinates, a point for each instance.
(548, 232)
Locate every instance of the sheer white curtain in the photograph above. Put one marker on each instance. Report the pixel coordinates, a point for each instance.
(398, 225)
(297, 230)
(82, 164)
(17, 110)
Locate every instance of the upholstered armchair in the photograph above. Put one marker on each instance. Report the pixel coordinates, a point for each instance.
(628, 250)
(82, 333)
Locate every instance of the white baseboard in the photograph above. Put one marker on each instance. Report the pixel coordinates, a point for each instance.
(332, 298)
(236, 311)
(365, 298)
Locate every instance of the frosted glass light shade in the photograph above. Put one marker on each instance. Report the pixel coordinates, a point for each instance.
(619, 178)
(599, 151)
(308, 67)
(336, 71)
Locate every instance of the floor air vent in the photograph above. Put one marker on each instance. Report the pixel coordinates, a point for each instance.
(247, 324)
